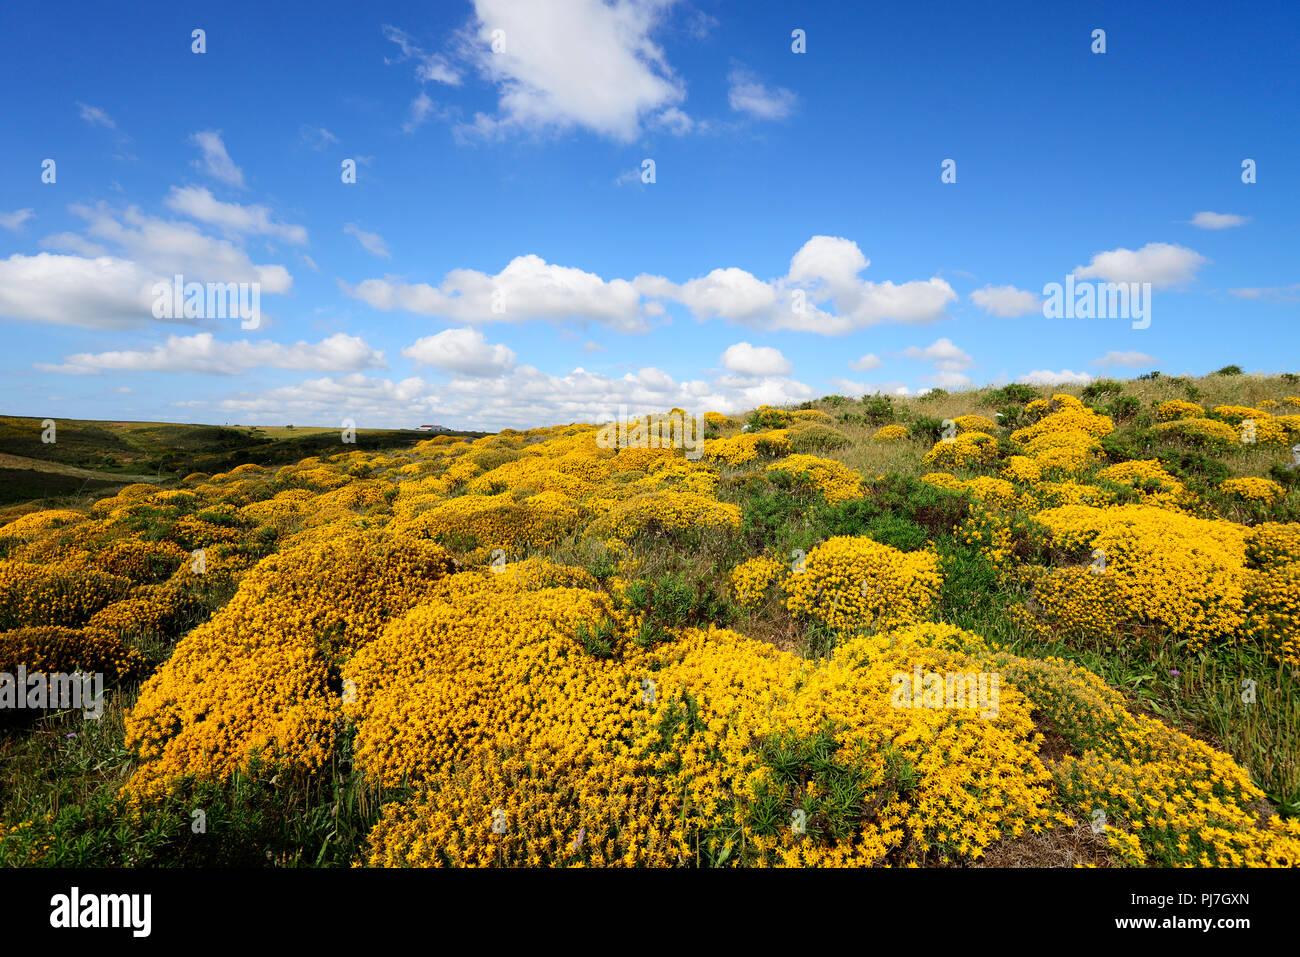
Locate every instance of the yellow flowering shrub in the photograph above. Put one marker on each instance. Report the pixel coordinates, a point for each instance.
(748, 446)
(1252, 489)
(670, 512)
(54, 594)
(974, 423)
(834, 480)
(38, 523)
(1022, 469)
(750, 580)
(1178, 409)
(1149, 478)
(851, 583)
(890, 433)
(254, 679)
(1199, 431)
(1168, 799)
(1170, 569)
(51, 648)
(965, 450)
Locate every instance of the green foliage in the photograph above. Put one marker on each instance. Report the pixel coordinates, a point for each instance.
(878, 409)
(1012, 393)
(1101, 387)
(1122, 408)
(928, 428)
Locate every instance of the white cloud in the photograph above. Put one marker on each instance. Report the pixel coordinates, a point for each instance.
(98, 289)
(728, 293)
(1006, 301)
(822, 272)
(198, 203)
(372, 243)
(544, 75)
(461, 350)
(748, 95)
(1209, 220)
(202, 353)
(755, 360)
(104, 292)
(866, 363)
(527, 288)
(943, 353)
(1161, 264)
(95, 116)
(674, 121)
(14, 221)
(166, 247)
(827, 266)
(1129, 359)
(1048, 377)
(215, 161)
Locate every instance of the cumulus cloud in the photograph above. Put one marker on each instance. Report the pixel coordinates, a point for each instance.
(104, 292)
(755, 360)
(551, 53)
(946, 360)
(1161, 264)
(1129, 359)
(1006, 301)
(167, 247)
(1048, 377)
(215, 161)
(461, 350)
(198, 203)
(202, 353)
(372, 243)
(748, 95)
(104, 277)
(945, 355)
(823, 275)
(866, 363)
(1209, 220)
(527, 288)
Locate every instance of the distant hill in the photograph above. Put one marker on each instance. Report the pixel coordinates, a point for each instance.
(92, 458)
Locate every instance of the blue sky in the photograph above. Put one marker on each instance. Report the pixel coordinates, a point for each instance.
(500, 262)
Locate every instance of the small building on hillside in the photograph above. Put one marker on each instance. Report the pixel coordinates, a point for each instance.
(433, 428)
